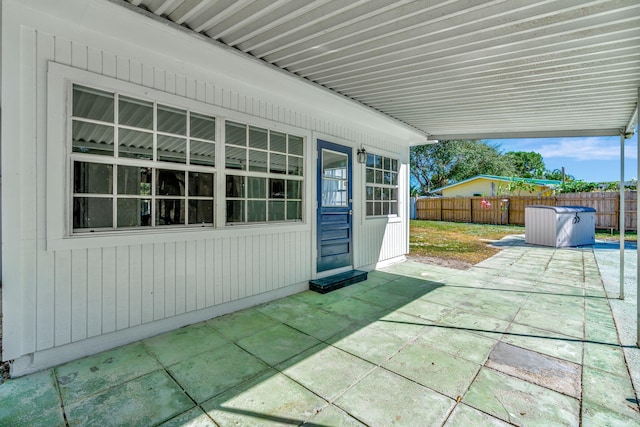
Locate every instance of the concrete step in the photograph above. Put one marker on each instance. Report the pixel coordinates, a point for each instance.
(337, 281)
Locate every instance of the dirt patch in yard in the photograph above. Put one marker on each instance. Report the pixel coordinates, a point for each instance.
(442, 262)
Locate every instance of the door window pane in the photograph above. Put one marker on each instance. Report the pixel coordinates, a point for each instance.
(334, 179)
(334, 165)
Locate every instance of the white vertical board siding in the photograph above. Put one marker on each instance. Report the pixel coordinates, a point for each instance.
(382, 238)
(66, 295)
(380, 241)
(100, 290)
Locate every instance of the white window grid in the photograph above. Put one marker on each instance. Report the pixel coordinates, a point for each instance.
(153, 163)
(381, 189)
(239, 153)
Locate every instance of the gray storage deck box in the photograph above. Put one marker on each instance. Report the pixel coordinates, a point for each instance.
(559, 226)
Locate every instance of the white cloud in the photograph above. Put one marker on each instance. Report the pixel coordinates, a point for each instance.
(592, 148)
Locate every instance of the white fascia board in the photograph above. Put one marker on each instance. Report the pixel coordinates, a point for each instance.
(528, 134)
(128, 29)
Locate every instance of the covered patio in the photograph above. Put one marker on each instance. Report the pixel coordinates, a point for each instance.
(526, 337)
(451, 69)
(217, 328)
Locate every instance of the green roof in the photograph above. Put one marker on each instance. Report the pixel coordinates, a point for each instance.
(544, 182)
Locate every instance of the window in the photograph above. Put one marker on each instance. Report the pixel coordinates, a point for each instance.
(382, 185)
(264, 174)
(138, 163)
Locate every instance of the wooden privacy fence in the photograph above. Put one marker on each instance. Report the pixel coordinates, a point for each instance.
(510, 209)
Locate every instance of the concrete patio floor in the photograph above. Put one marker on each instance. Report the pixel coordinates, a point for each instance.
(526, 337)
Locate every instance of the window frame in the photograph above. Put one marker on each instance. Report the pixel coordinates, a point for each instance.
(370, 164)
(245, 173)
(57, 181)
(154, 163)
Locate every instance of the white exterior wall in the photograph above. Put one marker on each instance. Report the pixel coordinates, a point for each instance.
(65, 297)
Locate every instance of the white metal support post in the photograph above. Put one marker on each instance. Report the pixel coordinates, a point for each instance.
(621, 212)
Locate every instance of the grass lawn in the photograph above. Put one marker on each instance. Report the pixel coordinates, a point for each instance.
(466, 244)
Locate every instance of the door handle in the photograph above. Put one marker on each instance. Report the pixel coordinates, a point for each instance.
(350, 211)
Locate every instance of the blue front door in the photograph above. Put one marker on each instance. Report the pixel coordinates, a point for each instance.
(335, 241)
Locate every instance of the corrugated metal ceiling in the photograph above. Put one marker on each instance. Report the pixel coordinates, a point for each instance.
(468, 68)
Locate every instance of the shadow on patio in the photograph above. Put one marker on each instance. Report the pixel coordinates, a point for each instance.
(525, 337)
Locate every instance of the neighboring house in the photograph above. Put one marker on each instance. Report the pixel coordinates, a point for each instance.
(491, 185)
(153, 179)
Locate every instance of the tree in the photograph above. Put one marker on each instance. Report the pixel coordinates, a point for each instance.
(557, 175)
(437, 165)
(431, 165)
(479, 158)
(577, 187)
(527, 164)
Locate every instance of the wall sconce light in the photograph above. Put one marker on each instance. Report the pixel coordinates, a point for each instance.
(362, 155)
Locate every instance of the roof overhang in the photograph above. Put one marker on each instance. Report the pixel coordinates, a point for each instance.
(453, 70)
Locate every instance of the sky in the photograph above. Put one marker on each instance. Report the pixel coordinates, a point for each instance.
(592, 159)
